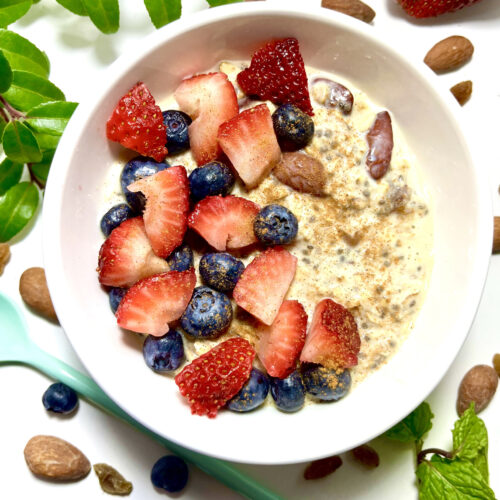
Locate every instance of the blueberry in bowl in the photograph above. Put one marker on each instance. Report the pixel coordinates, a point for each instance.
(177, 123)
(221, 271)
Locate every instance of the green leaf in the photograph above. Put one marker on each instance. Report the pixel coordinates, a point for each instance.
(10, 174)
(47, 142)
(12, 10)
(5, 74)
(50, 117)
(23, 55)
(75, 6)
(216, 3)
(19, 143)
(451, 480)
(2, 123)
(105, 14)
(414, 427)
(162, 12)
(17, 207)
(29, 90)
(41, 170)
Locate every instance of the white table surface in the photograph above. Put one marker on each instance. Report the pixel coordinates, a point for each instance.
(77, 53)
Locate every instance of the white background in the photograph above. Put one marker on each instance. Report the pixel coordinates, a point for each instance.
(78, 52)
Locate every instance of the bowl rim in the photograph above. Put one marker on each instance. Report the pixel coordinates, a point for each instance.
(51, 217)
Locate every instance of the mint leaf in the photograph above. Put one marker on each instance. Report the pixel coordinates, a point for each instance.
(12, 10)
(10, 174)
(47, 142)
(41, 170)
(50, 117)
(29, 90)
(5, 74)
(19, 143)
(451, 480)
(23, 55)
(75, 6)
(105, 14)
(17, 207)
(162, 12)
(216, 3)
(414, 427)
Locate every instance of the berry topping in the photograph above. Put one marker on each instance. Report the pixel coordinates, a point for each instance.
(277, 74)
(170, 473)
(152, 303)
(114, 217)
(181, 259)
(425, 8)
(167, 207)
(127, 256)
(288, 393)
(280, 344)
(275, 225)
(116, 295)
(137, 123)
(252, 394)
(265, 282)
(301, 172)
(176, 123)
(294, 128)
(250, 143)
(208, 314)
(225, 223)
(210, 100)
(221, 271)
(333, 339)
(215, 377)
(324, 383)
(59, 398)
(164, 354)
(210, 180)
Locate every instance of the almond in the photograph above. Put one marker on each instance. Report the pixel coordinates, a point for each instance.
(34, 291)
(462, 91)
(496, 234)
(4, 256)
(450, 53)
(301, 172)
(478, 386)
(353, 8)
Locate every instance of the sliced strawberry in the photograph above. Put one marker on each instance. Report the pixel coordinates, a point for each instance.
(277, 73)
(264, 283)
(215, 377)
(250, 143)
(424, 8)
(209, 100)
(167, 207)
(126, 256)
(152, 303)
(280, 344)
(333, 339)
(226, 222)
(137, 123)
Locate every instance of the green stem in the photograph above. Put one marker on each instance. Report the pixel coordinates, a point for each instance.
(33, 177)
(12, 113)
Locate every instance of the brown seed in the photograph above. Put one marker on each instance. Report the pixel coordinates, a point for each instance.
(380, 143)
(111, 480)
(496, 363)
(301, 172)
(478, 385)
(4, 256)
(34, 291)
(496, 234)
(353, 8)
(322, 468)
(450, 53)
(366, 456)
(462, 91)
(53, 458)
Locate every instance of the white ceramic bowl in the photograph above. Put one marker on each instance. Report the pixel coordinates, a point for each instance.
(425, 113)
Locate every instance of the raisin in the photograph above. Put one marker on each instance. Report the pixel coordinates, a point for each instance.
(111, 480)
(322, 468)
(366, 456)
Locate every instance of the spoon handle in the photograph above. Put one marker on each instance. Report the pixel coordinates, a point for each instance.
(219, 469)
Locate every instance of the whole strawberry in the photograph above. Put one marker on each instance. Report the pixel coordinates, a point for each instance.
(432, 8)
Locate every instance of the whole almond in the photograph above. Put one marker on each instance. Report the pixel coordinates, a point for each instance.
(301, 172)
(4, 256)
(478, 386)
(353, 8)
(450, 53)
(462, 91)
(53, 458)
(34, 291)
(496, 234)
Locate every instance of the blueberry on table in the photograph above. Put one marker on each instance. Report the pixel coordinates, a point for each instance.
(138, 168)
(293, 128)
(275, 225)
(59, 398)
(170, 473)
(181, 259)
(221, 271)
(114, 217)
(176, 123)
(210, 179)
(324, 383)
(208, 314)
(164, 354)
(252, 394)
(288, 393)
(116, 295)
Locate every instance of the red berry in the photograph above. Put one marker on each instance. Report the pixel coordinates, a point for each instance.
(432, 8)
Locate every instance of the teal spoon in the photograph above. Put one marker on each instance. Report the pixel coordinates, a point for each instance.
(16, 347)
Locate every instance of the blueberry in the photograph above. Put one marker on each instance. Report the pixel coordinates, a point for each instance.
(60, 398)
(170, 473)
(325, 384)
(208, 314)
(181, 259)
(275, 225)
(177, 124)
(211, 179)
(164, 354)
(134, 170)
(116, 295)
(221, 271)
(288, 393)
(252, 394)
(293, 128)
(114, 217)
